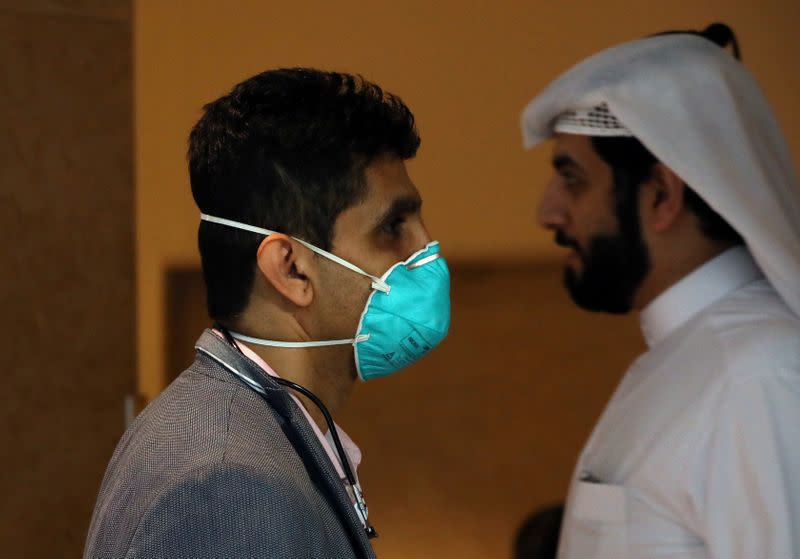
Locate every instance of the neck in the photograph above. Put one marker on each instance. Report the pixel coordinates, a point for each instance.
(328, 372)
(325, 371)
(669, 267)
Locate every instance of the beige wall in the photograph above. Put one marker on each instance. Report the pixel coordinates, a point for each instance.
(67, 286)
(466, 68)
(454, 457)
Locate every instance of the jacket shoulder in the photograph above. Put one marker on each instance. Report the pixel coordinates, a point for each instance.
(225, 510)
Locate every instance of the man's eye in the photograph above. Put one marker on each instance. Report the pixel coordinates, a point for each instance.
(571, 181)
(394, 226)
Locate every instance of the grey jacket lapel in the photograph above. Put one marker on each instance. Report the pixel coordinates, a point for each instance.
(297, 430)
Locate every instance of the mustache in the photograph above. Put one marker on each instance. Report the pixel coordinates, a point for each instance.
(564, 240)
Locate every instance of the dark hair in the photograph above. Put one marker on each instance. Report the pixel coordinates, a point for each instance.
(537, 537)
(632, 163)
(718, 33)
(285, 150)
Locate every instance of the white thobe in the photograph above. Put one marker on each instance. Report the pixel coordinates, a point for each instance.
(697, 455)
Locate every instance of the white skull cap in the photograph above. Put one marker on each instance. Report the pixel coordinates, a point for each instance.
(594, 121)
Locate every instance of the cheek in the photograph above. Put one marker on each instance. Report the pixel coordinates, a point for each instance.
(397, 250)
(593, 217)
(354, 300)
(342, 302)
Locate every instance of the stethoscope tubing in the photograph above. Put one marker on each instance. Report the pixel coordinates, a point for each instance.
(360, 505)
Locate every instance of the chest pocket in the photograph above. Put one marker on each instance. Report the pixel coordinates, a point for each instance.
(598, 522)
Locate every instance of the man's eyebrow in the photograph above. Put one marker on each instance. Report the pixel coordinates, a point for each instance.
(562, 161)
(405, 205)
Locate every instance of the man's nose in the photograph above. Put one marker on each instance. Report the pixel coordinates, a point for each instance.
(426, 236)
(420, 238)
(552, 212)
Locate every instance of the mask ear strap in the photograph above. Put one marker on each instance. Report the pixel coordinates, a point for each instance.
(377, 283)
(323, 343)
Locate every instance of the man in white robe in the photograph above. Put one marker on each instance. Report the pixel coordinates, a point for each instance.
(674, 188)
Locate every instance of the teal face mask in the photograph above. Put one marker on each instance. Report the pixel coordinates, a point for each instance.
(408, 321)
(406, 315)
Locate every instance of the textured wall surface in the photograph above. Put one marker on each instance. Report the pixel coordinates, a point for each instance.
(67, 284)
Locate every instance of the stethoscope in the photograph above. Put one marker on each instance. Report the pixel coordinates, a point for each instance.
(360, 505)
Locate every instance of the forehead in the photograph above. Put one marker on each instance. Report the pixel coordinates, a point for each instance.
(576, 148)
(387, 179)
(389, 190)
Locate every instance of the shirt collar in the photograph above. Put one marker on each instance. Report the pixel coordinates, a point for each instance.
(350, 448)
(710, 282)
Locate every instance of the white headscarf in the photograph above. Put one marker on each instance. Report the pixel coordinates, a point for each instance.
(701, 113)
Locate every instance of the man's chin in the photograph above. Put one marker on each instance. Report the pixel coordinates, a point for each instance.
(592, 298)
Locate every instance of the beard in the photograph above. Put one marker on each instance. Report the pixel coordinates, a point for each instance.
(614, 266)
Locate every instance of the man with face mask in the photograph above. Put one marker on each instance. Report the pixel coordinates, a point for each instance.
(319, 270)
(674, 189)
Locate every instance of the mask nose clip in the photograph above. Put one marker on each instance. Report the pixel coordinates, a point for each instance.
(421, 262)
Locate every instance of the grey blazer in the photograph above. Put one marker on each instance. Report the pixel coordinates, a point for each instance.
(212, 469)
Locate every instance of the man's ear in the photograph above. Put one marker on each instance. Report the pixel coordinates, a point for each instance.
(286, 264)
(661, 199)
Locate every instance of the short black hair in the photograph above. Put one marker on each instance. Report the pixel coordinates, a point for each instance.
(632, 163)
(285, 150)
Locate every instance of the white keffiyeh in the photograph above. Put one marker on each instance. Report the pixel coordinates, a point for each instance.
(701, 113)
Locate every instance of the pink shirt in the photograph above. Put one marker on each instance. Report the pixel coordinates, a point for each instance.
(350, 449)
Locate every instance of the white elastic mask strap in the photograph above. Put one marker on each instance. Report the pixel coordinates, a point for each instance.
(377, 283)
(323, 343)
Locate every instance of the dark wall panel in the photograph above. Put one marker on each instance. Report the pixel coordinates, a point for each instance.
(67, 281)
